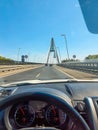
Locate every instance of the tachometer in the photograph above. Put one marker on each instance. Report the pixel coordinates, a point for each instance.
(54, 116)
(24, 115)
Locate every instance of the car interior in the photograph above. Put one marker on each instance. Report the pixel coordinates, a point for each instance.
(58, 104)
(62, 105)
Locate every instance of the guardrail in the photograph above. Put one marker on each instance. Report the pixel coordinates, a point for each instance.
(5, 68)
(83, 66)
(2, 62)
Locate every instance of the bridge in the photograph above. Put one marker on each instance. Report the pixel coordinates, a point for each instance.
(53, 50)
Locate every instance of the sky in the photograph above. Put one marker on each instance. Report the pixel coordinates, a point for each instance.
(27, 26)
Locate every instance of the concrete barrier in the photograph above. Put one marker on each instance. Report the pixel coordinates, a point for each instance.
(11, 70)
(14, 67)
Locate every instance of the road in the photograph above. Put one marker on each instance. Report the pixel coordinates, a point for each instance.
(42, 73)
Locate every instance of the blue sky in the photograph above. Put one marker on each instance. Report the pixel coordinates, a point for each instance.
(30, 25)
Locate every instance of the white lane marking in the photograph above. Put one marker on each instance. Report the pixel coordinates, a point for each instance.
(66, 74)
(37, 75)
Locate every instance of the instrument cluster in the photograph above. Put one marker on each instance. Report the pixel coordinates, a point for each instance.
(35, 113)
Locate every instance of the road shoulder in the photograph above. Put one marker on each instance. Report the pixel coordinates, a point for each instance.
(75, 74)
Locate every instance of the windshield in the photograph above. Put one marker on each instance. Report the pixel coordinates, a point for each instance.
(45, 40)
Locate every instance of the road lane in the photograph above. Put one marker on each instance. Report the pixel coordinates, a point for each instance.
(42, 73)
(49, 72)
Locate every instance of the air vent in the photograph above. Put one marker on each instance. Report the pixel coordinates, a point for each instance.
(85, 116)
(81, 108)
(6, 92)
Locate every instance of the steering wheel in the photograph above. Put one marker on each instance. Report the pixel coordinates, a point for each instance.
(48, 95)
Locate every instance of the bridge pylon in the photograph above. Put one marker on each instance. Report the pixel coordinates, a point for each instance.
(53, 49)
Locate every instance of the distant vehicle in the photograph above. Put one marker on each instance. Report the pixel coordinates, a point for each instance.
(50, 64)
(46, 64)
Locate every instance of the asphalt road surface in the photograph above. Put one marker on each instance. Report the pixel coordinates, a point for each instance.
(42, 73)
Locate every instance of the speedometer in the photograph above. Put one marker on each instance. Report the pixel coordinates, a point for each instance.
(24, 115)
(54, 116)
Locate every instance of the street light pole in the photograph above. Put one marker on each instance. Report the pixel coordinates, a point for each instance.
(66, 45)
(59, 52)
(18, 55)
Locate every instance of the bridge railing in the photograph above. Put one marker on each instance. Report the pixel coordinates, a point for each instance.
(84, 66)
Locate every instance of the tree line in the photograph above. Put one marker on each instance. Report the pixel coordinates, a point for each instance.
(4, 60)
(86, 58)
(91, 57)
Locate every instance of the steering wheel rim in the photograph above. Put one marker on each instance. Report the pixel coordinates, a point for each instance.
(55, 96)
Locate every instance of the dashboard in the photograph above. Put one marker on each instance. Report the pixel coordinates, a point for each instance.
(34, 113)
(82, 96)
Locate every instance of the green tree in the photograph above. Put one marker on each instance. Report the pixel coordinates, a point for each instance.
(92, 57)
(4, 60)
